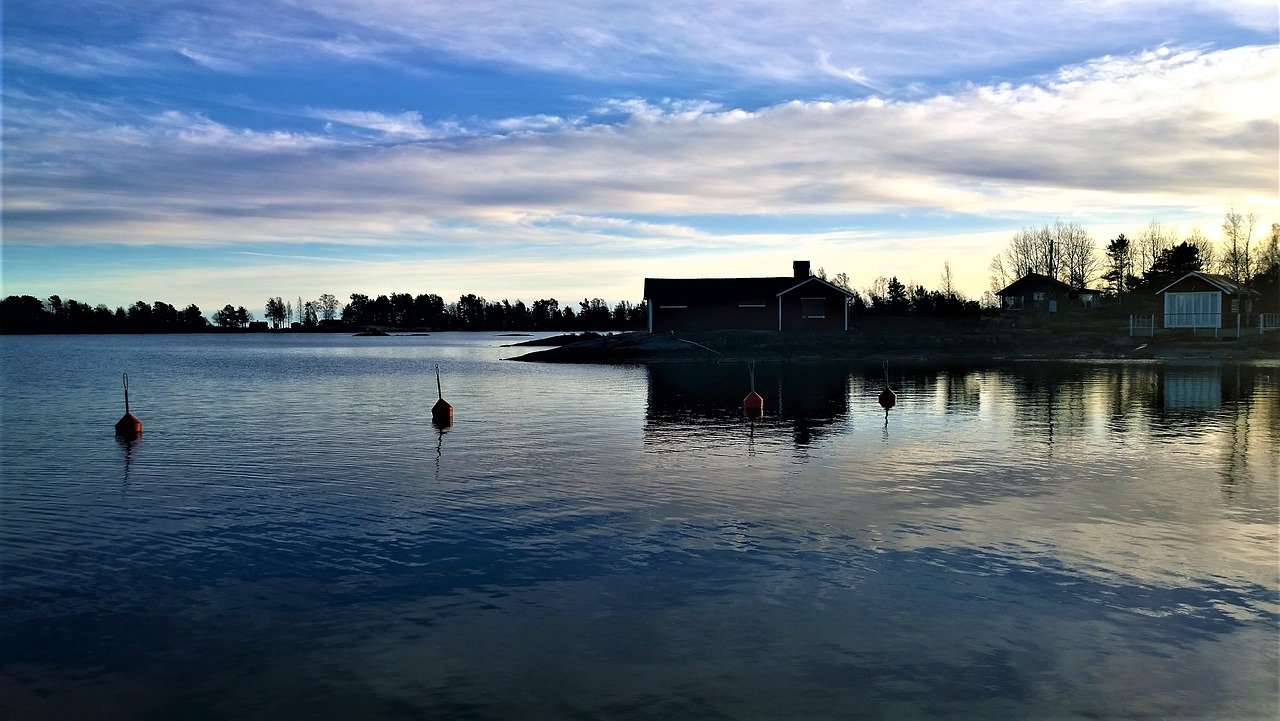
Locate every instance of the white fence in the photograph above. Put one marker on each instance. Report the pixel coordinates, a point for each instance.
(1268, 321)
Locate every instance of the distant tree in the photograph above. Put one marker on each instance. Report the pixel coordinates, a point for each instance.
(897, 300)
(357, 311)
(1170, 265)
(1119, 265)
(471, 312)
(193, 319)
(275, 311)
(1236, 261)
(310, 314)
(23, 314)
(544, 314)
(329, 306)
(230, 317)
(1150, 243)
(1267, 280)
(947, 283)
(1064, 251)
(429, 309)
(1079, 253)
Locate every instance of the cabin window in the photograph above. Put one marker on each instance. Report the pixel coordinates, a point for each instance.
(812, 308)
(753, 303)
(1235, 305)
(1192, 310)
(1039, 295)
(1013, 302)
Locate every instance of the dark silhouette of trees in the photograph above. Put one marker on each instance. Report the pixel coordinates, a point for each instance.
(1170, 264)
(230, 317)
(1119, 275)
(28, 314)
(427, 311)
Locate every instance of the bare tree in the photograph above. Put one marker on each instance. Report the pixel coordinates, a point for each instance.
(1080, 264)
(329, 306)
(1064, 251)
(1150, 243)
(1236, 261)
(999, 275)
(947, 284)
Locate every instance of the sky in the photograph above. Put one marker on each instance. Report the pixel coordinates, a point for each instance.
(225, 153)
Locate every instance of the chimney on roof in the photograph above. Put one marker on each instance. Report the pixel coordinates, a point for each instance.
(800, 268)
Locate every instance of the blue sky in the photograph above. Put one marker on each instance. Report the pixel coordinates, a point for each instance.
(229, 152)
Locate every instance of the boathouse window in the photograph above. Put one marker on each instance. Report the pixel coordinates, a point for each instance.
(1192, 310)
(753, 303)
(812, 308)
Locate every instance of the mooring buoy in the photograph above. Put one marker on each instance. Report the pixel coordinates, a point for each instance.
(441, 412)
(128, 427)
(888, 398)
(753, 404)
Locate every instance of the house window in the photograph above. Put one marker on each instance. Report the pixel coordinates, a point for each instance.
(751, 303)
(1013, 302)
(812, 308)
(1192, 310)
(1088, 299)
(1038, 296)
(1235, 305)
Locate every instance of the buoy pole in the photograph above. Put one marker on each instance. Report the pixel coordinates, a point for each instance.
(441, 412)
(128, 427)
(753, 404)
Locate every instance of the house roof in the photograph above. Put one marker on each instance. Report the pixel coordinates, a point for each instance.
(1033, 280)
(1221, 282)
(694, 289)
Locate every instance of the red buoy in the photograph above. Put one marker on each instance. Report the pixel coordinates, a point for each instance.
(441, 412)
(128, 427)
(753, 404)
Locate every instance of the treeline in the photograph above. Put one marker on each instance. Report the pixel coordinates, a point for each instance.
(28, 314)
(472, 312)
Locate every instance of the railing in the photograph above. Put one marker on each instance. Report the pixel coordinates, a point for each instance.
(1268, 321)
(1228, 325)
(1142, 325)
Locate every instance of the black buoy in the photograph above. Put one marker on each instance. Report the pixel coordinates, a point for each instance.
(441, 412)
(128, 427)
(888, 398)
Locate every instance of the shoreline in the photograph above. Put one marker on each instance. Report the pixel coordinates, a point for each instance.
(981, 346)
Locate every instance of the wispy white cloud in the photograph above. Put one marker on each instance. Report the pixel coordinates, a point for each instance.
(1164, 128)
(403, 126)
(882, 41)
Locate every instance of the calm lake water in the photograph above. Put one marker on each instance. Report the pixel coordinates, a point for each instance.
(291, 538)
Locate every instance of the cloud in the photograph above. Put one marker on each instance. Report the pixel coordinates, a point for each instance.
(403, 126)
(723, 41)
(1172, 128)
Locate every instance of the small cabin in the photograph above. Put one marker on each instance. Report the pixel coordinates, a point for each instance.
(799, 301)
(1200, 300)
(1036, 293)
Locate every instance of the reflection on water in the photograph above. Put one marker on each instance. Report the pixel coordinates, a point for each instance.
(293, 538)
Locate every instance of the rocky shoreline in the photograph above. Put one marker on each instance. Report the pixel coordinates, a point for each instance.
(966, 346)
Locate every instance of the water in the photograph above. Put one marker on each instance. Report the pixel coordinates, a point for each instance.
(291, 538)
